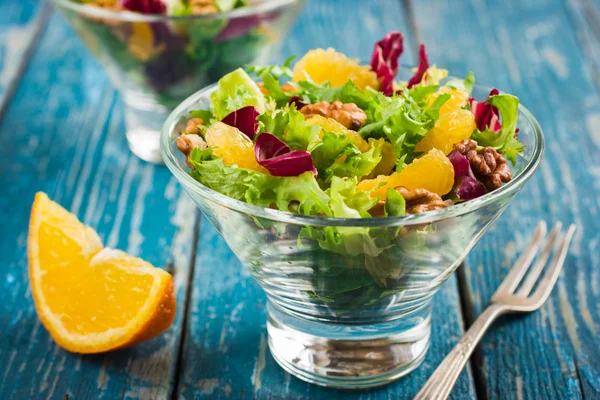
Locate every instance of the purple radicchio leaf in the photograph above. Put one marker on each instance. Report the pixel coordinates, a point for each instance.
(144, 6)
(486, 115)
(245, 120)
(384, 60)
(462, 166)
(421, 69)
(275, 156)
(297, 101)
(467, 188)
(237, 27)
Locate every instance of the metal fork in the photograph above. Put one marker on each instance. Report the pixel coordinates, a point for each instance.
(507, 299)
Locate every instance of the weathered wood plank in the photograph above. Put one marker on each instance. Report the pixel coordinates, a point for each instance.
(531, 49)
(225, 350)
(20, 23)
(585, 19)
(72, 145)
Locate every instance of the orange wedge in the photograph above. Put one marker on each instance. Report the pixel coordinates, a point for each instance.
(92, 299)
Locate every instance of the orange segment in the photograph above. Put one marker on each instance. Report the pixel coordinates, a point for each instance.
(234, 147)
(449, 129)
(458, 99)
(433, 172)
(329, 65)
(141, 42)
(92, 299)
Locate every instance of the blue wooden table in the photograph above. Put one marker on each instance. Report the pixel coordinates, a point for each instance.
(62, 131)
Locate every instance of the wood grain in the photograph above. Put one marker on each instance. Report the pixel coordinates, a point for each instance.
(71, 144)
(20, 24)
(531, 49)
(225, 351)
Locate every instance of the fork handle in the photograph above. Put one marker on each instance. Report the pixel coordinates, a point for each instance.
(440, 384)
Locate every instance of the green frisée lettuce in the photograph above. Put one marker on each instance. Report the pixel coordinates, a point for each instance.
(402, 121)
(347, 202)
(234, 91)
(300, 135)
(356, 164)
(302, 192)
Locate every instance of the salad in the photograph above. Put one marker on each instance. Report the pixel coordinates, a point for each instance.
(169, 60)
(330, 137)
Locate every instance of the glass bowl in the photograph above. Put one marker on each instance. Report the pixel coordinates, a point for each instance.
(349, 300)
(156, 61)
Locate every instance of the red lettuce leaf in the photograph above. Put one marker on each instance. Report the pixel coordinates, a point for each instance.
(144, 6)
(384, 60)
(486, 115)
(245, 120)
(421, 69)
(467, 188)
(275, 156)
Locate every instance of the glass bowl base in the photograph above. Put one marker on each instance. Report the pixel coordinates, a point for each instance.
(144, 144)
(143, 120)
(350, 357)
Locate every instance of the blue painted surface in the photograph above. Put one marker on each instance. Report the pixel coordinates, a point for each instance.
(71, 144)
(20, 22)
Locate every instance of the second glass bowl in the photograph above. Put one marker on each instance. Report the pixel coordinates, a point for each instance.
(156, 61)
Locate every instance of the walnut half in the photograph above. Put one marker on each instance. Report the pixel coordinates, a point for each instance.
(349, 114)
(421, 200)
(191, 139)
(487, 164)
(417, 201)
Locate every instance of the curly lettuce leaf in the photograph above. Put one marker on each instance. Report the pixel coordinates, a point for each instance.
(236, 90)
(348, 93)
(275, 71)
(205, 115)
(504, 141)
(347, 202)
(356, 164)
(260, 189)
(329, 149)
(270, 76)
(422, 92)
(299, 134)
(274, 122)
(402, 121)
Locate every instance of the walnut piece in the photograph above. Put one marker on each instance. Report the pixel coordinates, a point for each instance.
(192, 126)
(191, 139)
(487, 164)
(417, 201)
(349, 114)
(420, 200)
(203, 7)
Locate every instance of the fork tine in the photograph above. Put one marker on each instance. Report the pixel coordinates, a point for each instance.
(534, 273)
(515, 274)
(547, 283)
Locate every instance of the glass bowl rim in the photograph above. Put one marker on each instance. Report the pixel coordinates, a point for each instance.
(127, 16)
(456, 210)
